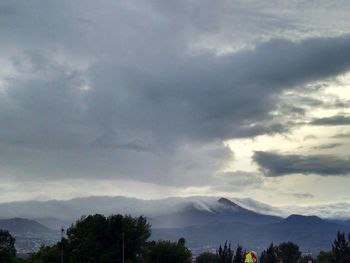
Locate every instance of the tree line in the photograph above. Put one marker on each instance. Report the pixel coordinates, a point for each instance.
(286, 252)
(118, 239)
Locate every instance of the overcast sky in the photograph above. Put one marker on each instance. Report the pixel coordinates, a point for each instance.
(242, 98)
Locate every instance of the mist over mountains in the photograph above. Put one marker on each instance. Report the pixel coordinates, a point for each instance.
(205, 222)
(70, 210)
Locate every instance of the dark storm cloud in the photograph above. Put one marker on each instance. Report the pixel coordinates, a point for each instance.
(208, 97)
(117, 91)
(274, 164)
(332, 121)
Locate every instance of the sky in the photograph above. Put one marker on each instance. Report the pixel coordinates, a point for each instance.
(150, 99)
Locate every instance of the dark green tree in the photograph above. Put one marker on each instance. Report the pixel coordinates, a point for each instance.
(182, 241)
(225, 254)
(168, 252)
(7, 247)
(47, 254)
(340, 248)
(289, 252)
(239, 255)
(269, 255)
(325, 257)
(207, 257)
(97, 239)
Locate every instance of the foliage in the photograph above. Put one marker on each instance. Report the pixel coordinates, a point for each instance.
(325, 257)
(52, 254)
(169, 252)
(340, 248)
(288, 252)
(7, 247)
(207, 257)
(99, 239)
(225, 254)
(182, 241)
(239, 255)
(269, 255)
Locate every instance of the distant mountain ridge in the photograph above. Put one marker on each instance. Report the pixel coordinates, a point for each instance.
(299, 219)
(203, 221)
(222, 211)
(29, 234)
(311, 233)
(70, 210)
(23, 225)
(75, 208)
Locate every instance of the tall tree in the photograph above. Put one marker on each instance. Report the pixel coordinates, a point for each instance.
(225, 254)
(269, 255)
(182, 241)
(239, 255)
(97, 239)
(7, 247)
(340, 248)
(289, 252)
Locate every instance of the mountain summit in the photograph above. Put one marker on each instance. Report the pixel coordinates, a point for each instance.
(229, 204)
(222, 210)
(304, 220)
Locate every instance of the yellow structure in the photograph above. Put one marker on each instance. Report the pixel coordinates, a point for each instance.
(251, 257)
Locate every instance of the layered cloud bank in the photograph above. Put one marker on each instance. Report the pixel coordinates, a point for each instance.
(174, 99)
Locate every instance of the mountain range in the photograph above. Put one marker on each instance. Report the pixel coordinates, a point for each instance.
(22, 225)
(70, 210)
(205, 222)
(223, 211)
(312, 234)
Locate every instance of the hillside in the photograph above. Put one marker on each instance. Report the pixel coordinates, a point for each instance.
(311, 233)
(22, 225)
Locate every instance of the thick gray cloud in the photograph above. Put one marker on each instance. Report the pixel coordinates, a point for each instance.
(274, 164)
(332, 121)
(131, 122)
(123, 90)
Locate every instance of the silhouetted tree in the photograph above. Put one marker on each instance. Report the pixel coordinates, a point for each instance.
(239, 255)
(207, 257)
(340, 248)
(97, 239)
(269, 255)
(49, 254)
(169, 252)
(288, 252)
(325, 257)
(182, 241)
(225, 254)
(7, 247)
